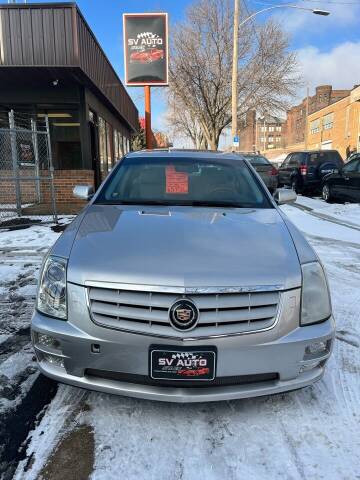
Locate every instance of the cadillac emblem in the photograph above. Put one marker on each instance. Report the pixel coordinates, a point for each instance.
(183, 315)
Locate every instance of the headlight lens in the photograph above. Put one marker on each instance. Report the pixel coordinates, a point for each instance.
(315, 304)
(51, 298)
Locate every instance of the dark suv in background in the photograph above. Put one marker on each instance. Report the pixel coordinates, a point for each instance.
(304, 171)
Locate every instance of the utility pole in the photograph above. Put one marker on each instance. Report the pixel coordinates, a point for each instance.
(148, 133)
(234, 83)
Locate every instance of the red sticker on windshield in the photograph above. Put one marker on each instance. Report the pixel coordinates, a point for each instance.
(176, 182)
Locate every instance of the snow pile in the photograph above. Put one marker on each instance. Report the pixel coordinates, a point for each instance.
(349, 211)
(312, 433)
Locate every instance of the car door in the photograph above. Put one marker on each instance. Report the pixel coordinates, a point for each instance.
(285, 171)
(346, 184)
(294, 166)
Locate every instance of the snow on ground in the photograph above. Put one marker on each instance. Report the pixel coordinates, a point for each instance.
(348, 212)
(312, 433)
(319, 227)
(21, 253)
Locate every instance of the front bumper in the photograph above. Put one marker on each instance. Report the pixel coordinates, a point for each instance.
(115, 351)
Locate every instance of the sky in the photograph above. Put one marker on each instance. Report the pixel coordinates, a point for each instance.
(328, 48)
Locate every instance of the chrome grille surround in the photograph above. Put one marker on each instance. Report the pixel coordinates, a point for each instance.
(144, 309)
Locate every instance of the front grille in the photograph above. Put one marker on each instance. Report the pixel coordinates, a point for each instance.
(146, 312)
(145, 380)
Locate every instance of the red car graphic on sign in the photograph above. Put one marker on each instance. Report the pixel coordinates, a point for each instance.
(194, 373)
(147, 56)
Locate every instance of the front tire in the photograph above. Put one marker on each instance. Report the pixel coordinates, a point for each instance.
(326, 193)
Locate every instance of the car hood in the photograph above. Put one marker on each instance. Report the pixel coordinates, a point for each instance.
(184, 246)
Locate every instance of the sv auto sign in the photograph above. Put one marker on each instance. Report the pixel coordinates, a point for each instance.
(146, 48)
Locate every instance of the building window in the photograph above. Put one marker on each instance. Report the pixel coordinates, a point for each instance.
(328, 121)
(315, 126)
(121, 145)
(271, 139)
(278, 128)
(127, 145)
(278, 139)
(109, 147)
(64, 127)
(116, 145)
(262, 139)
(263, 129)
(271, 129)
(102, 147)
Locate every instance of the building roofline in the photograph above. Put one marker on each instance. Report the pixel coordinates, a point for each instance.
(330, 105)
(7, 6)
(38, 5)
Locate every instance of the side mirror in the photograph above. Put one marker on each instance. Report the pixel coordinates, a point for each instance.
(85, 192)
(283, 196)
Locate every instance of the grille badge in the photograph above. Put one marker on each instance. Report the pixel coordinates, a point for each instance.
(183, 315)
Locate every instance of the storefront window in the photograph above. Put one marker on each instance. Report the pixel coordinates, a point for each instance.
(121, 145)
(109, 148)
(102, 147)
(116, 145)
(65, 137)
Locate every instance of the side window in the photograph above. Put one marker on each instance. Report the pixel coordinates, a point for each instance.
(295, 160)
(286, 161)
(352, 166)
(315, 158)
(333, 157)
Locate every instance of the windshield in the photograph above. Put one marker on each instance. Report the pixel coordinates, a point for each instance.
(256, 159)
(183, 181)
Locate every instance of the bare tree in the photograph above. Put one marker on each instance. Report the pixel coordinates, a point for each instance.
(201, 65)
(184, 124)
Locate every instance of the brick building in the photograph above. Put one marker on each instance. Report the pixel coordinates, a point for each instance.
(52, 65)
(296, 116)
(337, 126)
(264, 133)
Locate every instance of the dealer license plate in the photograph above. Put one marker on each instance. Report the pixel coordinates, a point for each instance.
(185, 365)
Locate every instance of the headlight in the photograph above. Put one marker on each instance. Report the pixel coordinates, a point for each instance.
(51, 298)
(315, 302)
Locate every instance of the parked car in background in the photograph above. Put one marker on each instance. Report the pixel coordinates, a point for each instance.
(343, 184)
(304, 171)
(265, 169)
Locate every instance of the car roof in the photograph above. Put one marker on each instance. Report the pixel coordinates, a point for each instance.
(190, 154)
(312, 151)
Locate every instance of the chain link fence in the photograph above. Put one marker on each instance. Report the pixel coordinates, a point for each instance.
(27, 193)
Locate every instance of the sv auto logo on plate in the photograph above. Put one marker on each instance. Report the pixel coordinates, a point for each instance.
(179, 365)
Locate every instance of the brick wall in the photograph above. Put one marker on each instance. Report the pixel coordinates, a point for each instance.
(64, 182)
(344, 132)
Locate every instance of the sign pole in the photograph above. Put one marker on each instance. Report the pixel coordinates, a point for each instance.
(148, 134)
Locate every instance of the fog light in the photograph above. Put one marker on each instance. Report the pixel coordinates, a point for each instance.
(309, 366)
(316, 348)
(53, 359)
(48, 341)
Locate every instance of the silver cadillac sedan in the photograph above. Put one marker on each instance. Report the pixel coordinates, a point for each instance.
(183, 281)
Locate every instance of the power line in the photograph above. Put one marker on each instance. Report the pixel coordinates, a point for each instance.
(323, 2)
(332, 2)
